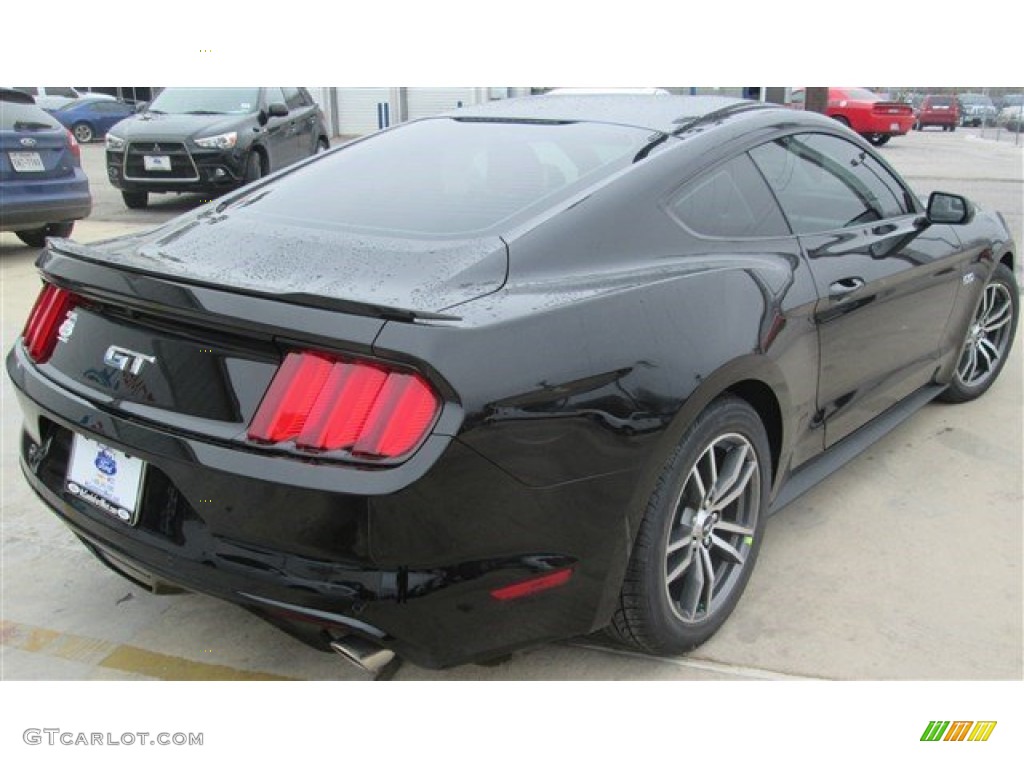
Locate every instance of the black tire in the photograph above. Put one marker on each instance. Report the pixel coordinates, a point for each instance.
(988, 340)
(253, 167)
(83, 132)
(952, 128)
(322, 145)
(877, 139)
(135, 199)
(918, 126)
(36, 238)
(686, 534)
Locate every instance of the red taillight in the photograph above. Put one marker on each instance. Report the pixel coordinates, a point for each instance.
(532, 585)
(50, 310)
(324, 403)
(74, 146)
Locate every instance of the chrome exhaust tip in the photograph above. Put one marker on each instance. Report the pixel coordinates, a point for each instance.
(363, 653)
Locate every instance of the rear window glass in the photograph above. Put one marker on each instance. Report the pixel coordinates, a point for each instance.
(940, 101)
(453, 177)
(24, 117)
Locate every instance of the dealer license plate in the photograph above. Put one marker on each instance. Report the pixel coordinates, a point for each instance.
(26, 162)
(894, 126)
(106, 478)
(156, 162)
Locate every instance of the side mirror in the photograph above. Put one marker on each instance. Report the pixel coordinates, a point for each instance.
(141, 106)
(277, 109)
(946, 208)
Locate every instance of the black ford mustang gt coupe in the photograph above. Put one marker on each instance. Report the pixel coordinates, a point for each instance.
(521, 372)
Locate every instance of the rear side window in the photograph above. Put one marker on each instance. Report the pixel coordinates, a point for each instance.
(823, 183)
(66, 93)
(24, 117)
(732, 200)
(29, 91)
(443, 176)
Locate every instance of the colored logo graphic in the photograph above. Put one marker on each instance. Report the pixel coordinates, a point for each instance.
(958, 730)
(105, 463)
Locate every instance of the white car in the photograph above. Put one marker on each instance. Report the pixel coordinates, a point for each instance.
(53, 98)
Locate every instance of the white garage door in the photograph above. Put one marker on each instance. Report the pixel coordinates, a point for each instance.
(357, 109)
(424, 102)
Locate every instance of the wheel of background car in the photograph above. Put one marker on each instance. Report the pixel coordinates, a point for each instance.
(253, 167)
(988, 340)
(83, 132)
(841, 119)
(36, 238)
(322, 146)
(700, 534)
(878, 139)
(135, 199)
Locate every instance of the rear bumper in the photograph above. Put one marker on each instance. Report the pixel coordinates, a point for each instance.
(409, 565)
(30, 206)
(939, 118)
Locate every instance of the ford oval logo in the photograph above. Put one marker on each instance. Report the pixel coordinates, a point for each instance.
(28, 142)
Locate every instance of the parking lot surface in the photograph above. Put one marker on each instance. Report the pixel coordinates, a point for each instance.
(906, 564)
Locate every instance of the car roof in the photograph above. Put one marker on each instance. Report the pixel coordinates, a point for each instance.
(657, 113)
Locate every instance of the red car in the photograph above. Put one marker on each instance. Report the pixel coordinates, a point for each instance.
(943, 111)
(866, 112)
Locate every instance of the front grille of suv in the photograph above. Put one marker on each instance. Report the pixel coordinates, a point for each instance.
(182, 166)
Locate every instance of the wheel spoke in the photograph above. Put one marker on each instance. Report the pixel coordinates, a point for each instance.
(728, 526)
(696, 478)
(738, 488)
(709, 578)
(996, 317)
(680, 569)
(693, 587)
(731, 468)
(730, 552)
(680, 541)
(968, 364)
(990, 352)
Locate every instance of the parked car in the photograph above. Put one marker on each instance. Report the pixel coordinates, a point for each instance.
(43, 189)
(212, 140)
(54, 98)
(90, 119)
(943, 111)
(875, 119)
(1011, 118)
(525, 371)
(976, 109)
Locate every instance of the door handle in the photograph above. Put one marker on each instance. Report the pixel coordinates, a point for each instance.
(842, 288)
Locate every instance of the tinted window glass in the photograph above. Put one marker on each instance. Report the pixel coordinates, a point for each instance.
(446, 177)
(29, 91)
(24, 117)
(824, 182)
(731, 200)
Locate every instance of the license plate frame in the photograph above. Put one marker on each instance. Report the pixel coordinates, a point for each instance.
(27, 162)
(106, 478)
(161, 163)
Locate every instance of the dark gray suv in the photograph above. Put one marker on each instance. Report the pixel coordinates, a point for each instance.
(210, 140)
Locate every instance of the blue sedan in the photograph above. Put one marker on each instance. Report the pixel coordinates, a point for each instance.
(90, 119)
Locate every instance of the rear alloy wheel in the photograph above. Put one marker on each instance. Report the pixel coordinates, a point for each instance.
(700, 535)
(135, 199)
(83, 133)
(989, 338)
(36, 238)
(878, 139)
